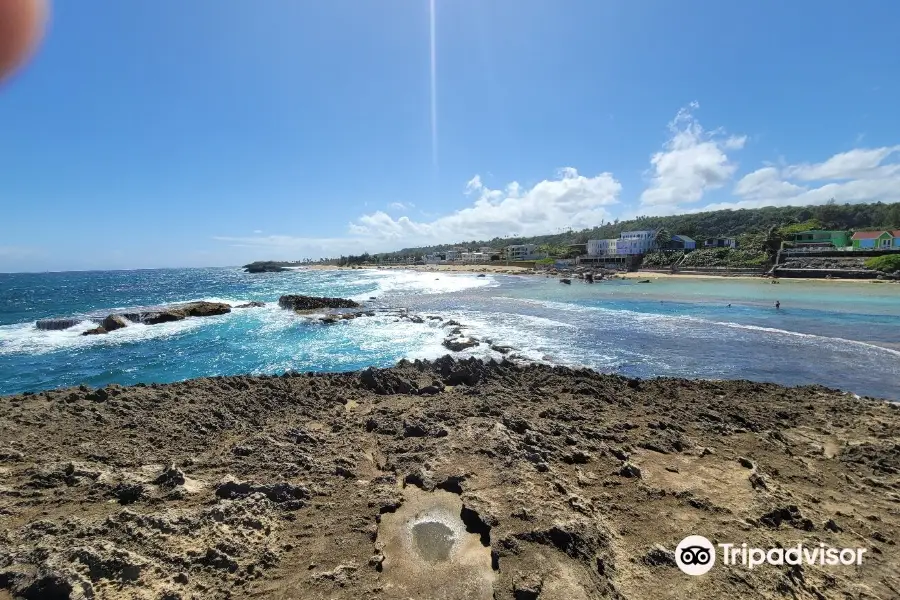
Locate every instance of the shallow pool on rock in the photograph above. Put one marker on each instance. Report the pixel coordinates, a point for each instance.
(429, 554)
(433, 540)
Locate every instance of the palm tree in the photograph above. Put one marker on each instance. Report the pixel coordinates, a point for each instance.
(662, 238)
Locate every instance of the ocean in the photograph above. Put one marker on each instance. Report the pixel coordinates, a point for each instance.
(844, 335)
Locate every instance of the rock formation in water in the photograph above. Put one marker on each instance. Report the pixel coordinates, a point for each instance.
(300, 302)
(175, 312)
(253, 304)
(264, 267)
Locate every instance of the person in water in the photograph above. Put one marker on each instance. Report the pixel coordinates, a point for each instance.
(777, 304)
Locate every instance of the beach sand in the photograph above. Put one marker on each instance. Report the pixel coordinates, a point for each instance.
(517, 270)
(461, 268)
(443, 480)
(761, 280)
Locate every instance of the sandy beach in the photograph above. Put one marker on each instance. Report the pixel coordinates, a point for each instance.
(442, 480)
(460, 268)
(517, 270)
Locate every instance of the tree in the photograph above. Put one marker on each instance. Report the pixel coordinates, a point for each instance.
(663, 237)
(773, 241)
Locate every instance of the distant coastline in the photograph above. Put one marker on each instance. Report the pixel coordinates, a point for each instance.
(503, 269)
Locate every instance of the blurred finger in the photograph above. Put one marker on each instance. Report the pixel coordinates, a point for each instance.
(21, 28)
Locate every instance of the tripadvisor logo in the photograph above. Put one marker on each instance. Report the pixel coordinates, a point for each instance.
(696, 555)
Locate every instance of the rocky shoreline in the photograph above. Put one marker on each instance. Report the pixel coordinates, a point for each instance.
(445, 479)
(309, 307)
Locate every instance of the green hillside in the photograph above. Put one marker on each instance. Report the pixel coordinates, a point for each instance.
(708, 224)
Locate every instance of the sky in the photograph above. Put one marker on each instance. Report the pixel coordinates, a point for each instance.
(216, 132)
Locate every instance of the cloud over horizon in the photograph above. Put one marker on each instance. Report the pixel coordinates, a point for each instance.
(692, 162)
(859, 175)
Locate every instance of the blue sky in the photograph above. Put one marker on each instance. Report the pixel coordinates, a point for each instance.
(215, 132)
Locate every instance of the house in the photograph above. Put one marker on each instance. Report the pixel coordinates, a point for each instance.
(820, 237)
(679, 242)
(720, 242)
(686, 242)
(487, 250)
(522, 252)
(452, 255)
(601, 247)
(876, 240)
(474, 257)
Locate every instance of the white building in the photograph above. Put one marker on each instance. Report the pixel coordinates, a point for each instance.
(522, 252)
(486, 250)
(474, 257)
(720, 242)
(601, 247)
(635, 242)
(452, 255)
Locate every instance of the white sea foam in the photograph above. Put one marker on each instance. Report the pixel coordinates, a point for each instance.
(674, 322)
(420, 282)
(809, 336)
(533, 338)
(25, 338)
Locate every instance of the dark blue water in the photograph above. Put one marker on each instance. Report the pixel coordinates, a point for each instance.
(841, 335)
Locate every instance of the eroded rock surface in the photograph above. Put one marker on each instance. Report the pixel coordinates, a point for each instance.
(568, 484)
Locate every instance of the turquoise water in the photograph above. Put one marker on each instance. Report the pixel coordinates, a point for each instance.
(841, 335)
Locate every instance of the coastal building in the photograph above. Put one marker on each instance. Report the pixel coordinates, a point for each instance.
(720, 242)
(635, 242)
(472, 257)
(685, 242)
(605, 247)
(679, 242)
(487, 250)
(452, 255)
(628, 243)
(876, 240)
(820, 238)
(522, 252)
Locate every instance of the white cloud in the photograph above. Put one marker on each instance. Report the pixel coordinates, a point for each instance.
(286, 247)
(858, 175)
(735, 142)
(570, 200)
(692, 161)
(857, 163)
(257, 231)
(766, 183)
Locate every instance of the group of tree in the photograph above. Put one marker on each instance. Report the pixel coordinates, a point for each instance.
(761, 227)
